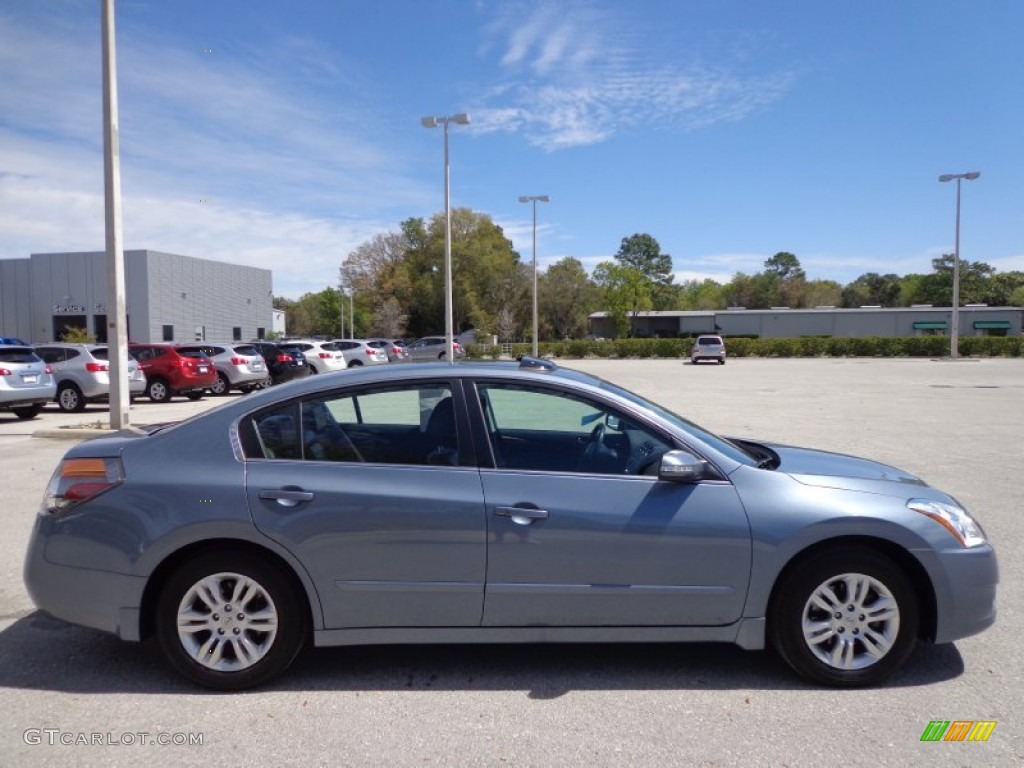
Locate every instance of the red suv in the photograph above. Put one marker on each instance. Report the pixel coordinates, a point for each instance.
(172, 372)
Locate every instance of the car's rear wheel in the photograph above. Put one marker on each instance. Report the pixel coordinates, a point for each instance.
(844, 617)
(312, 370)
(69, 398)
(195, 395)
(158, 391)
(355, 364)
(27, 412)
(221, 386)
(231, 620)
(693, 361)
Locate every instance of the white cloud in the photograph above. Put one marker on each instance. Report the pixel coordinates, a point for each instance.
(576, 78)
(280, 167)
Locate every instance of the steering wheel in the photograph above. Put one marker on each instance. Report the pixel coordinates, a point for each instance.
(595, 445)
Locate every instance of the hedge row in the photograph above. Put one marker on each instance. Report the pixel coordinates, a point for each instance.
(872, 346)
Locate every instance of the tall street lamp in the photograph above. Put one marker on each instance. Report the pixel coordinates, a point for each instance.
(954, 330)
(433, 122)
(534, 199)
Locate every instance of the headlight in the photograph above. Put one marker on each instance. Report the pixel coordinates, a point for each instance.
(953, 519)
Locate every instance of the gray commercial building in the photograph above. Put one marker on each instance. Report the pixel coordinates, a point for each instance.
(169, 297)
(782, 323)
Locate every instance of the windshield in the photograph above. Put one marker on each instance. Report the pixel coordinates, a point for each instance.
(720, 444)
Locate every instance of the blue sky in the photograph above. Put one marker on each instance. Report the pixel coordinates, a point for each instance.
(728, 130)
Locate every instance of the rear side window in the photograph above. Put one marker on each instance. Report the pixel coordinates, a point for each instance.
(101, 353)
(413, 425)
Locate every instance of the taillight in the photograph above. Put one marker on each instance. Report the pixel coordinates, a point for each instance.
(325, 355)
(238, 361)
(6, 372)
(78, 480)
(47, 368)
(96, 367)
(283, 358)
(371, 352)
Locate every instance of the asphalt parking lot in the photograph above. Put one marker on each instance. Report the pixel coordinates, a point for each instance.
(959, 425)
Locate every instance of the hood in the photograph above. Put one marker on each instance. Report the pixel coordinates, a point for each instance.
(837, 470)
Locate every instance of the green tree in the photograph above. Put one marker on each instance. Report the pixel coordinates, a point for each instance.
(872, 289)
(785, 265)
(643, 253)
(937, 288)
(626, 293)
(566, 297)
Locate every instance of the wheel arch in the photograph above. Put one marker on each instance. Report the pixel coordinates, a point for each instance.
(158, 578)
(904, 560)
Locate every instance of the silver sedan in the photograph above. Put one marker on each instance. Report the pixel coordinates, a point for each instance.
(496, 502)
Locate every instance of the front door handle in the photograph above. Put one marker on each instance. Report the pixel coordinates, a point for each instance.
(286, 497)
(522, 515)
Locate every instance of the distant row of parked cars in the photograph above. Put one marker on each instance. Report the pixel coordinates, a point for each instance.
(74, 375)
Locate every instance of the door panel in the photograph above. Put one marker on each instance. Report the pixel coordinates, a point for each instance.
(386, 546)
(613, 551)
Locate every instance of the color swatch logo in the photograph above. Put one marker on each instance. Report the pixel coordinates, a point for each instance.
(958, 730)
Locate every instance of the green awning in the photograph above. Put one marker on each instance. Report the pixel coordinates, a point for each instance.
(992, 325)
(930, 325)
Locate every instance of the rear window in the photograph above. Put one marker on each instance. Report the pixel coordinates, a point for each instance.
(18, 355)
(194, 352)
(709, 341)
(246, 349)
(100, 353)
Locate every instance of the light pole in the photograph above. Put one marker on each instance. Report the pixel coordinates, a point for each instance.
(534, 199)
(433, 122)
(954, 329)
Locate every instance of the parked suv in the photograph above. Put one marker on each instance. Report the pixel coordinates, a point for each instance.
(708, 348)
(82, 372)
(284, 360)
(433, 348)
(358, 353)
(26, 382)
(321, 356)
(395, 350)
(239, 365)
(170, 372)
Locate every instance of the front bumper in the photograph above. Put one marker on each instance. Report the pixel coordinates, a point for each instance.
(965, 590)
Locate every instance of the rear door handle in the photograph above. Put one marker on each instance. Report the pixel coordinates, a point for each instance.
(286, 497)
(522, 515)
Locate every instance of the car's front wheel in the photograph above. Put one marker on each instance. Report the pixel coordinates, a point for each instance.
(158, 391)
(69, 398)
(231, 620)
(844, 617)
(221, 386)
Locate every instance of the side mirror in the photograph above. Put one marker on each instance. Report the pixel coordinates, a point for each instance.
(682, 467)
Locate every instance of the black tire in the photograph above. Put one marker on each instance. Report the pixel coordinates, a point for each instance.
(312, 371)
(884, 585)
(355, 364)
(273, 593)
(69, 398)
(27, 412)
(195, 395)
(158, 390)
(721, 362)
(693, 361)
(220, 387)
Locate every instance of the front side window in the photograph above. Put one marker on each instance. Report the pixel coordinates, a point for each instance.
(551, 431)
(411, 424)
